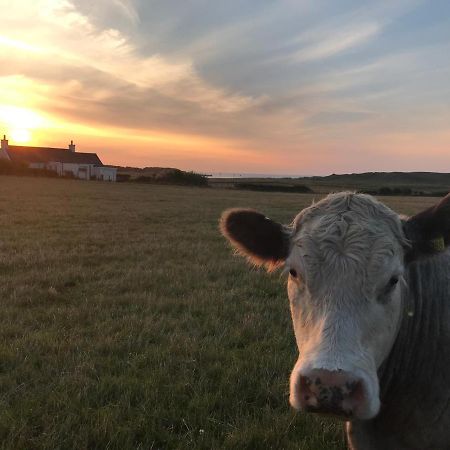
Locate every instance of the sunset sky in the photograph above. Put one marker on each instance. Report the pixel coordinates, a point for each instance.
(279, 86)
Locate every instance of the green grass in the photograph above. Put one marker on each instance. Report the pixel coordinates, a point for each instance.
(126, 322)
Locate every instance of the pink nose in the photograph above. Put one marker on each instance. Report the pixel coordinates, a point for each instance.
(331, 392)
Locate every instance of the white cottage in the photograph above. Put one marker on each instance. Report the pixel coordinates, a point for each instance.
(86, 166)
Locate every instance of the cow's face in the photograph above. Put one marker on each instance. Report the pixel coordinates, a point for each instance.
(346, 258)
(345, 286)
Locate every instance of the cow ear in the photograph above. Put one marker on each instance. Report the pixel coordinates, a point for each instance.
(429, 230)
(262, 240)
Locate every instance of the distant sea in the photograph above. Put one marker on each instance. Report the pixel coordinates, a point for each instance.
(253, 175)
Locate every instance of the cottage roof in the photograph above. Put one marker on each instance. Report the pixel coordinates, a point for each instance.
(25, 154)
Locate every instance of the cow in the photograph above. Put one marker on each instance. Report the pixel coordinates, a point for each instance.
(369, 296)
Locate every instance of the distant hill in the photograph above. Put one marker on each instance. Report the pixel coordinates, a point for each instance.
(377, 183)
(161, 175)
(391, 178)
(386, 183)
(143, 170)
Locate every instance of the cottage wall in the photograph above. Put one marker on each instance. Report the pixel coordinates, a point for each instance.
(55, 166)
(104, 173)
(82, 171)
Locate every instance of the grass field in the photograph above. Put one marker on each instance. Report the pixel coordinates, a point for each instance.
(126, 322)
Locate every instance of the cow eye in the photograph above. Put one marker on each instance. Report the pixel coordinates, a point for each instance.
(392, 282)
(293, 273)
(384, 295)
(390, 286)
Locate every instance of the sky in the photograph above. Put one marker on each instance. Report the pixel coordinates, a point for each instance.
(268, 86)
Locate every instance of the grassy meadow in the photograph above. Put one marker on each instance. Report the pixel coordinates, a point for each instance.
(126, 322)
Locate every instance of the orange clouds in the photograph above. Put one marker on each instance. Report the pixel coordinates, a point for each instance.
(218, 88)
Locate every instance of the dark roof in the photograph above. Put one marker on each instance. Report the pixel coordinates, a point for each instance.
(19, 153)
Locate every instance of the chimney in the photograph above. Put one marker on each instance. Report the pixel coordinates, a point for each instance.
(4, 143)
(71, 147)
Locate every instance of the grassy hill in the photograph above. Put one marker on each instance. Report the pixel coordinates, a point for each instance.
(426, 182)
(378, 183)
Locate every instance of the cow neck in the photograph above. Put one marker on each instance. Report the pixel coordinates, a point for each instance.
(418, 352)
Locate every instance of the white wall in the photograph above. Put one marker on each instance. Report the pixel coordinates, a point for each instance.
(81, 171)
(55, 166)
(106, 173)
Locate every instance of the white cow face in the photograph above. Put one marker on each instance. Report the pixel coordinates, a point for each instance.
(345, 256)
(345, 284)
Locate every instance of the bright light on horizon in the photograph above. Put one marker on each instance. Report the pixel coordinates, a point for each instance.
(20, 118)
(18, 123)
(20, 135)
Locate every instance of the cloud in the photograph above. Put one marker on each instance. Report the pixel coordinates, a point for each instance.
(280, 81)
(337, 41)
(128, 8)
(66, 35)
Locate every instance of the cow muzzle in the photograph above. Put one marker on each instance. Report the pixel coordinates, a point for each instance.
(332, 392)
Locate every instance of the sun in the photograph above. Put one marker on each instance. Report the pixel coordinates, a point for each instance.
(20, 135)
(19, 122)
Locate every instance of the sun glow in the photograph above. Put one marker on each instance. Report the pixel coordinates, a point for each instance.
(18, 123)
(20, 135)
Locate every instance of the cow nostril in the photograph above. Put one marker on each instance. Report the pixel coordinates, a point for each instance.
(308, 397)
(330, 392)
(355, 392)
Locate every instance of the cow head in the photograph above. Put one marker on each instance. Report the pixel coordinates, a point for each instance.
(346, 258)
